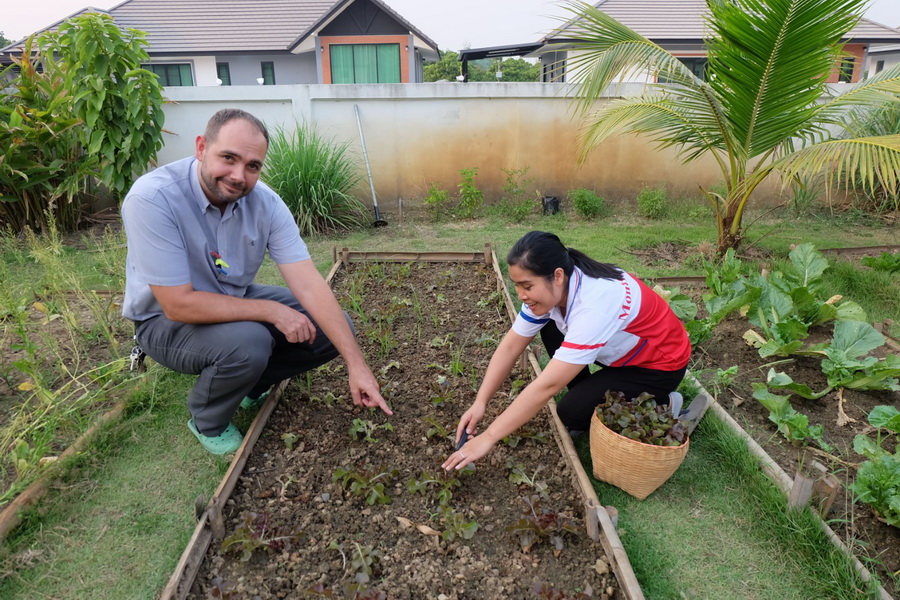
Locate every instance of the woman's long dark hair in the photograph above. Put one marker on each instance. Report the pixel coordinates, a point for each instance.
(542, 253)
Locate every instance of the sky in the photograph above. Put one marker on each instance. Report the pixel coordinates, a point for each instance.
(452, 25)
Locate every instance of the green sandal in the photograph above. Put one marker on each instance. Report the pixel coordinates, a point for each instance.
(248, 402)
(227, 441)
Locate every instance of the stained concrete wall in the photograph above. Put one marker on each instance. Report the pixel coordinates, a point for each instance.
(419, 134)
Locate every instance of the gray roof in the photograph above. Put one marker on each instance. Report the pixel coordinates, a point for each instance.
(213, 26)
(684, 21)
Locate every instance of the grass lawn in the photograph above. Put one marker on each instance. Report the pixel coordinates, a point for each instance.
(116, 525)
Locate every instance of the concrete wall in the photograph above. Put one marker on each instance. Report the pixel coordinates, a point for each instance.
(419, 134)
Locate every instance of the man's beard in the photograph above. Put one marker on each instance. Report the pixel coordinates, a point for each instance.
(213, 185)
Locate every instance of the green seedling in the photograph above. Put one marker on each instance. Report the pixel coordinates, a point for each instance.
(289, 439)
(391, 365)
(440, 341)
(520, 476)
(793, 425)
(539, 524)
(456, 525)
(362, 428)
(285, 484)
(257, 532)
(878, 479)
(441, 391)
(362, 559)
(443, 482)
(524, 434)
(328, 399)
(366, 483)
(437, 429)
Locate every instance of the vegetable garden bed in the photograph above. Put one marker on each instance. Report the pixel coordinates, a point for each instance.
(766, 374)
(338, 501)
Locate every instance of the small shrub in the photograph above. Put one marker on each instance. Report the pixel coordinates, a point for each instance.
(586, 203)
(516, 202)
(470, 197)
(316, 179)
(437, 202)
(652, 203)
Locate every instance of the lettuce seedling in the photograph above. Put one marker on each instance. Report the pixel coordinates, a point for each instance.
(540, 524)
(366, 430)
(792, 424)
(257, 532)
(878, 478)
(366, 483)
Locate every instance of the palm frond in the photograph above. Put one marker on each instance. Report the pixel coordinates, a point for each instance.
(880, 89)
(769, 60)
(865, 162)
(603, 50)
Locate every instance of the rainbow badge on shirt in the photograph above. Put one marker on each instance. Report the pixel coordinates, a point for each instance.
(221, 265)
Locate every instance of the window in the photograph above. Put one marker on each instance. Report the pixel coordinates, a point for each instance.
(846, 70)
(365, 63)
(268, 73)
(696, 65)
(879, 66)
(223, 73)
(173, 74)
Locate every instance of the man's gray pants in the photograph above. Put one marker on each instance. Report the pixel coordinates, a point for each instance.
(233, 360)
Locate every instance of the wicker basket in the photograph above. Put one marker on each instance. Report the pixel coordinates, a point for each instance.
(634, 467)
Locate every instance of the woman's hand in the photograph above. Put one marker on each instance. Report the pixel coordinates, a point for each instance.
(471, 451)
(469, 420)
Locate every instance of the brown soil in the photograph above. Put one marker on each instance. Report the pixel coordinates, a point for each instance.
(461, 316)
(855, 523)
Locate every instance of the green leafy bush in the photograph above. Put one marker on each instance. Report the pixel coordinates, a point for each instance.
(586, 203)
(316, 179)
(90, 115)
(878, 478)
(793, 425)
(886, 262)
(652, 203)
(516, 202)
(437, 202)
(470, 197)
(641, 419)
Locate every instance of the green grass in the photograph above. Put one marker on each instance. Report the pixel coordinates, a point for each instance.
(118, 523)
(719, 528)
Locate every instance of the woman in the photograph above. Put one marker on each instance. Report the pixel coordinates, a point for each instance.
(586, 312)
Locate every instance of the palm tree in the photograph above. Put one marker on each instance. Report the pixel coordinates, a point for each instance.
(761, 110)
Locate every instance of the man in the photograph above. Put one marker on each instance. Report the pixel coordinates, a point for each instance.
(198, 230)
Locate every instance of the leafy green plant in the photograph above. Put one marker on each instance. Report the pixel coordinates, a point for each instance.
(641, 419)
(257, 532)
(365, 430)
(443, 482)
(885, 262)
(366, 483)
(652, 203)
(316, 178)
(523, 434)
(587, 204)
(470, 197)
(757, 111)
(792, 424)
(520, 476)
(438, 202)
(845, 363)
(90, 114)
(878, 478)
(438, 429)
(290, 439)
(516, 202)
(441, 391)
(455, 525)
(363, 559)
(681, 304)
(541, 524)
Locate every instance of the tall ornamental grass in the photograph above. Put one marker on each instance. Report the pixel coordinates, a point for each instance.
(316, 179)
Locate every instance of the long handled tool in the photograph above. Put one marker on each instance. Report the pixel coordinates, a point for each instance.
(379, 222)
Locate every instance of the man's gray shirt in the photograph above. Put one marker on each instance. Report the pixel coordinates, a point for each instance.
(168, 245)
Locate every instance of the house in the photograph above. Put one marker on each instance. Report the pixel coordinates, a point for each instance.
(679, 26)
(268, 42)
(883, 57)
